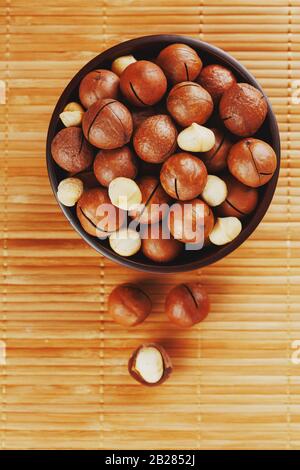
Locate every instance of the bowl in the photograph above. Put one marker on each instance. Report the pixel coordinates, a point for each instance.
(147, 48)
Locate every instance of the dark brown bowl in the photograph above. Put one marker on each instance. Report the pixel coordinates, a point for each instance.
(147, 48)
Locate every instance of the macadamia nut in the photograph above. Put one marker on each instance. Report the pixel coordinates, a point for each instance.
(215, 191)
(120, 64)
(150, 364)
(125, 242)
(196, 138)
(225, 230)
(124, 193)
(129, 305)
(72, 115)
(69, 191)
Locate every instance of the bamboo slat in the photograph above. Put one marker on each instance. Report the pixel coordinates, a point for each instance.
(65, 383)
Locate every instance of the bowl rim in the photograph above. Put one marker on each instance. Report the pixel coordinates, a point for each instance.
(273, 129)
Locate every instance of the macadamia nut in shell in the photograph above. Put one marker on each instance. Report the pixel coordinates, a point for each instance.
(150, 364)
(179, 62)
(189, 102)
(107, 124)
(98, 85)
(143, 83)
(243, 109)
(129, 305)
(71, 151)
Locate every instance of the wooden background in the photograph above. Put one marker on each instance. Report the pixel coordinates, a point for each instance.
(65, 383)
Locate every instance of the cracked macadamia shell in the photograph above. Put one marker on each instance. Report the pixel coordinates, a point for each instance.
(92, 212)
(187, 304)
(243, 109)
(129, 305)
(71, 151)
(183, 176)
(241, 200)
(189, 102)
(216, 79)
(179, 62)
(110, 164)
(98, 85)
(143, 83)
(155, 139)
(150, 364)
(252, 161)
(107, 124)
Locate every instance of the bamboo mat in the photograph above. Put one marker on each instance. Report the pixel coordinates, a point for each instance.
(65, 383)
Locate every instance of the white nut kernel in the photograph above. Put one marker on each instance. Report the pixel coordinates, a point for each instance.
(69, 191)
(215, 191)
(125, 242)
(196, 138)
(124, 193)
(121, 63)
(149, 364)
(72, 115)
(225, 230)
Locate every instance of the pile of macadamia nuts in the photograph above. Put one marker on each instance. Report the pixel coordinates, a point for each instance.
(144, 136)
(154, 133)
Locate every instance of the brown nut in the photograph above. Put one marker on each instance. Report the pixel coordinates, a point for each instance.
(97, 215)
(110, 164)
(155, 139)
(216, 159)
(189, 102)
(179, 62)
(191, 222)
(98, 85)
(252, 161)
(241, 200)
(243, 109)
(129, 305)
(183, 176)
(107, 124)
(216, 79)
(143, 83)
(187, 304)
(155, 200)
(161, 247)
(71, 151)
(150, 364)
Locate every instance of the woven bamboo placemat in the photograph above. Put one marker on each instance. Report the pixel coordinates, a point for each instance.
(65, 383)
